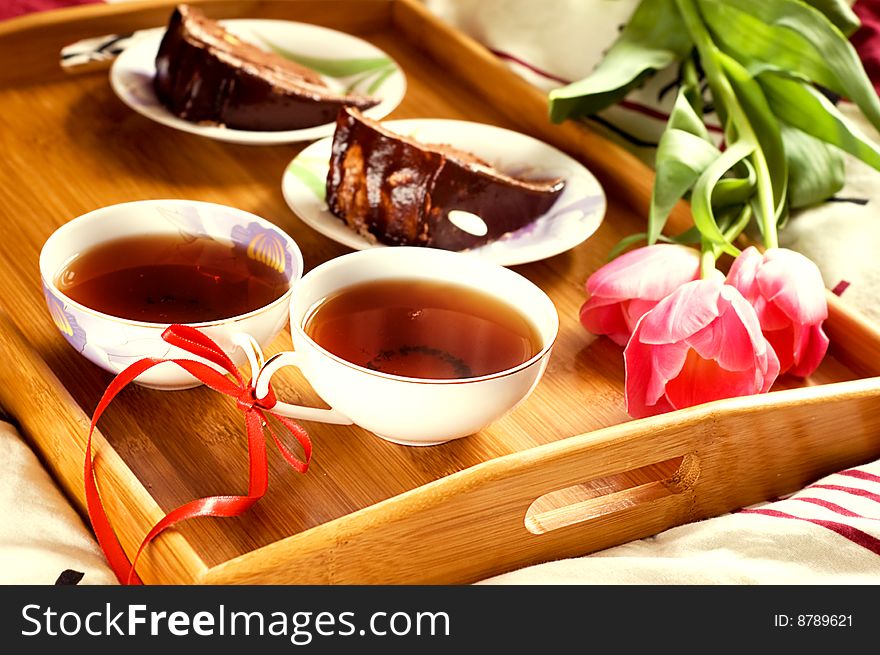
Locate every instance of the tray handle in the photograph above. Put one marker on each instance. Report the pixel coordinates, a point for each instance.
(485, 520)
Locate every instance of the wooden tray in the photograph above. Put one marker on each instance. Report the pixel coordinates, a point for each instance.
(566, 474)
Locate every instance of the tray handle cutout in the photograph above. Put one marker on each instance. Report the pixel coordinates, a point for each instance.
(579, 503)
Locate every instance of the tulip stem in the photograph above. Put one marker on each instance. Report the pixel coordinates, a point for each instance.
(737, 125)
(707, 260)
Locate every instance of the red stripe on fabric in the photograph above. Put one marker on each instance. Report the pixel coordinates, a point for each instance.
(834, 507)
(854, 535)
(840, 287)
(537, 71)
(861, 475)
(643, 109)
(855, 491)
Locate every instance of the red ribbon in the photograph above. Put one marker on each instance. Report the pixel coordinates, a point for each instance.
(255, 414)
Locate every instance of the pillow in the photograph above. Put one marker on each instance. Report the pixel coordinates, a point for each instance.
(43, 540)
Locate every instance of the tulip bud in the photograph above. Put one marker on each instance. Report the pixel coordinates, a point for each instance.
(788, 294)
(701, 343)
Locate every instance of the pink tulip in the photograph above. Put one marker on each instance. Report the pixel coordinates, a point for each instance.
(701, 343)
(633, 283)
(788, 294)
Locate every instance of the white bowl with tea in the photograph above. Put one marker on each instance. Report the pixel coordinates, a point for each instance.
(116, 277)
(417, 345)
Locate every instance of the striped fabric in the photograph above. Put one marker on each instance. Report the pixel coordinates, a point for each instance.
(846, 504)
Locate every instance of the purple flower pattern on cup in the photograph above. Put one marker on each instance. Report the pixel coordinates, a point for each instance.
(264, 245)
(65, 321)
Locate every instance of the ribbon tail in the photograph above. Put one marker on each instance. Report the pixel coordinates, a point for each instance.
(222, 506)
(216, 506)
(300, 434)
(104, 532)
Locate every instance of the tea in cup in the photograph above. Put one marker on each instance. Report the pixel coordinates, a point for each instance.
(417, 345)
(116, 277)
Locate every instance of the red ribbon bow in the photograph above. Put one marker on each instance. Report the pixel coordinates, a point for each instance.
(255, 410)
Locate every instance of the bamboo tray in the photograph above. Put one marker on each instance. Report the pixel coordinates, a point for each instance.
(566, 474)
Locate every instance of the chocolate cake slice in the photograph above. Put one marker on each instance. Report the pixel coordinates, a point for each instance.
(395, 190)
(204, 74)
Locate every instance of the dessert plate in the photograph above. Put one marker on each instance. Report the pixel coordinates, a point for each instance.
(344, 61)
(573, 218)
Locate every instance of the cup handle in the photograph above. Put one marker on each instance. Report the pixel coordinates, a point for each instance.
(261, 387)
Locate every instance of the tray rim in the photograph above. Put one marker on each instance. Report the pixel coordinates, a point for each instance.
(847, 323)
(406, 506)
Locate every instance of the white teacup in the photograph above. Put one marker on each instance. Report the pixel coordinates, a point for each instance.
(411, 411)
(113, 343)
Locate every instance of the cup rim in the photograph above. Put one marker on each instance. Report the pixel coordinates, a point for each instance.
(60, 230)
(536, 358)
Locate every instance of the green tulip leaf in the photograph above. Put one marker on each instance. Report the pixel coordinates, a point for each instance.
(801, 106)
(735, 190)
(681, 159)
(652, 39)
(816, 169)
(683, 153)
(793, 36)
(839, 13)
(701, 197)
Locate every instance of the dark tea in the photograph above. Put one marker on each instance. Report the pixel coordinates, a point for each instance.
(164, 278)
(423, 329)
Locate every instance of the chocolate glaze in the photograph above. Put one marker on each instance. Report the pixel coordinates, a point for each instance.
(397, 191)
(206, 75)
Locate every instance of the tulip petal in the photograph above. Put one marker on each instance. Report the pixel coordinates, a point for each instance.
(747, 318)
(704, 380)
(726, 341)
(650, 273)
(809, 351)
(644, 386)
(793, 283)
(770, 316)
(789, 297)
(634, 309)
(768, 364)
(782, 342)
(726, 356)
(666, 364)
(605, 319)
(683, 313)
(743, 271)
